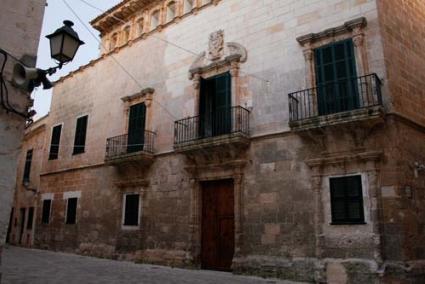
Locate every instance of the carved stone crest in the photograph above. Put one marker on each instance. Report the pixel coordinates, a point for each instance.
(216, 45)
(218, 54)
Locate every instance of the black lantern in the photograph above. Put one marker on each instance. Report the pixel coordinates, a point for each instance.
(64, 43)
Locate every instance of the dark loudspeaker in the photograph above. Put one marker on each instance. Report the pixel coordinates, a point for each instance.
(27, 78)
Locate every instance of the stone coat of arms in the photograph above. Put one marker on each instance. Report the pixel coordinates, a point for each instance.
(216, 45)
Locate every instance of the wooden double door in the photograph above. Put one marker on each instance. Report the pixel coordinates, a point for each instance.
(218, 225)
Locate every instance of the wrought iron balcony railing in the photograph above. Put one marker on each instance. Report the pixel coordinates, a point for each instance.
(339, 96)
(225, 121)
(123, 145)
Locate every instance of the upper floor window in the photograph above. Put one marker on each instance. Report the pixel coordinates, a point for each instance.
(347, 200)
(171, 11)
(54, 143)
(187, 6)
(336, 77)
(136, 128)
(80, 135)
(155, 19)
(27, 168)
(140, 26)
(126, 34)
(215, 111)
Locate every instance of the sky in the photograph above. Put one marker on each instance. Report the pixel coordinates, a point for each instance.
(55, 13)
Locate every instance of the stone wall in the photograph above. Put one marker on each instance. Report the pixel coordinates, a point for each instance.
(20, 32)
(26, 193)
(402, 24)
(403, 201)
(283, 216)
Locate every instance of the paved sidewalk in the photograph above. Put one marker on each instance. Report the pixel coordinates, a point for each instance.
(36, 266)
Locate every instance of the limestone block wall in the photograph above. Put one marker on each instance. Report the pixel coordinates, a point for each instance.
(402, 25)
(275, 67)
(26, 195)
(20, 31)
(285, 216)
(403, 201)
(164, 228)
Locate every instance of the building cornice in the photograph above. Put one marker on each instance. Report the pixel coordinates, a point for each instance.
(348, 26)
(131, 41)
(122, 10)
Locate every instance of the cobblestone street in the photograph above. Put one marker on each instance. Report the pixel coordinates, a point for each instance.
(37, 266)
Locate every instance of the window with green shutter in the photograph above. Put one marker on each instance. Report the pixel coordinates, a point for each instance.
(347, 200)
(136, 128)
(336, 77)
(27, 168)
(54, 143)
(80, 135)
(215, 106)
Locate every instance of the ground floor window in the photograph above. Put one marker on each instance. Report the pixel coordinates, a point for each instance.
(131, 210)
(30, 218)
(71, 211)
(47, 204)
(347, 200)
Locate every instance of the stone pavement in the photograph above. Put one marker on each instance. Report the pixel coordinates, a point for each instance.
(36, 266)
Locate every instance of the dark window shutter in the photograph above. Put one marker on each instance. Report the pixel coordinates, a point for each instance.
(131, 217)
(336, 77)
(222, 105)
(347, 200)
(71, 211)
(30, 218)
(45, 218)
(54, 144)
(27, 168)
(136, 128)
(80, 135)
(22, 224)
(203, 99)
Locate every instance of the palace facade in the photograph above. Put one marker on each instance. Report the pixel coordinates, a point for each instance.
(277, 138)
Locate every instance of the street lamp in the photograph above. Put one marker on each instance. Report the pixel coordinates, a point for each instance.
(64, 43)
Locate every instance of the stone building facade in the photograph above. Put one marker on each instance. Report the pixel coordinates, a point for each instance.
(20, 27)
(275, 138)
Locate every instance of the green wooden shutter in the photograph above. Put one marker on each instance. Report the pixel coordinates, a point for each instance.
(222, 121)
(27, 168)
(336, 77)
(347, 200)
(355, 211)
(80, 135)
(136, 128)
(203, 108)
(54, 143)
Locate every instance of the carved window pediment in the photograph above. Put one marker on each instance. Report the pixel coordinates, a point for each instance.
(219, 54)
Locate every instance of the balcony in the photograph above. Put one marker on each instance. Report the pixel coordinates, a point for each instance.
(223, 130)
(353, 100)
(123, 149)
